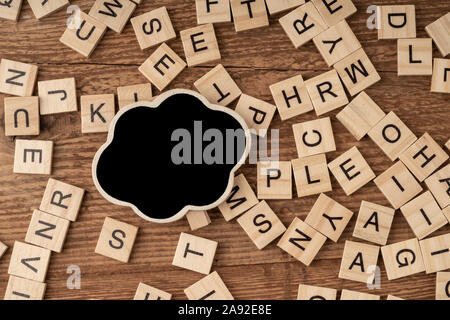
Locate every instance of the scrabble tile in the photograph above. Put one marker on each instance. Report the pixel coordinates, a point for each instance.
(21, 116)
(306, 292)
(47, 231)
(62, 199)
(24, 289)
(146, 292)
(291, 97)
(97, 111)
(249, 14)
(354, 295)
(447, 145)
(443, 286)
(198, 219)
(446, 212)
(85, 38)
(351, 170)
(392, 136)
(301, 241)
(12, 11)
(261, 224)
(116, 240)
(17, 78)
(360, 115)
(439, 30)
(56, 96)
(326, 92)
(113, 15)
(423, 157)
(414, 57)
(274, 180)
(241, 199)
(153, 28)
(436, 253)
(218, 86)
(303, 24)
(277, 6)
(3, 248)
(336, 43)
(328, 217)
(130, 94)
(213, 11)
(391, 297)
(29, 262)
(396, 22)
(357, 72)
(398, 185)
(439, 185)
(194, 253)
(314, 137)
(200, 45)
(356, 260)
(42, 9)
(374, 222)
(333, 12)
(256, 113)
(311, 175)
(162, 66)
(33, 156)
(440, 80)
(402, 259)
(210, 287)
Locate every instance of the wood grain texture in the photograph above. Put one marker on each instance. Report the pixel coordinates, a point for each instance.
(255, 59)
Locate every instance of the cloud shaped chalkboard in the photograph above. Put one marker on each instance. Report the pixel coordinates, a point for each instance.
(172, 155)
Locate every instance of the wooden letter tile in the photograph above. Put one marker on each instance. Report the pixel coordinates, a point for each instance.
(274, 180)
(56, 96)
(355, 295)
(213, 11)
(277, 6)
(97, 111)
(439, 185)
(200, 45)
(303, 24)
(249, 14)
(153, 28)
(85, 38)
(306, 292)
(398, 185)
(29, 262)
(314, 137)
(423, 157)
(3, 248)
(17, 78)
(415, 57)
(42, 9)
(146, 292)
(218, 86)
(328, 217)
(357, 260)
(311, 175)
(116, 240)
(396, 22)
(446, 212)
(291, 97)
(374, 222)
(392, 135)
(194, 253)
(443, 286)
(436, 253)
(12, 11)
(47, 231)
(134, 93)
(360, 115)
(210, 287)
(447, 145)
(301, 241)
(326, 92)
(440, 81)
(33, 156)
(21, 116)
(391, 297)
(241, 199)
(198, 219)
(257, 113)
(333, 11)
(114, 15)
(162, 66)
(23, 289)
(439, 30)
(261, 224)
(351, 170)
(402, 259)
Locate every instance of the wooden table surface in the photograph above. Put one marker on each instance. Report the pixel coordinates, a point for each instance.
(255, 59)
